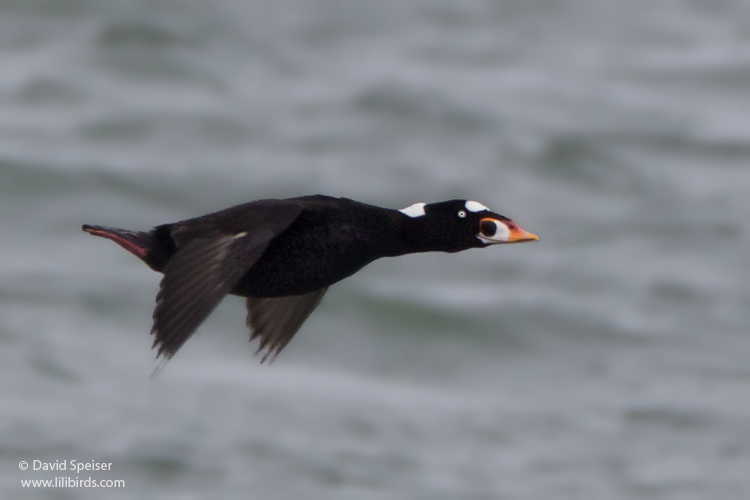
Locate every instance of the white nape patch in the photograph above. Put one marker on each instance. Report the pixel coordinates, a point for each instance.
(475, 206)
(416, 210)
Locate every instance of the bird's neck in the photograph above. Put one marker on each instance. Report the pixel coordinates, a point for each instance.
(409, 235)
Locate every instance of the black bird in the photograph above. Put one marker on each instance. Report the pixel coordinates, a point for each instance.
(282, 255)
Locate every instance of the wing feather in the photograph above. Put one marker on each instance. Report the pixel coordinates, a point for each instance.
(196, 279)
(275, 320)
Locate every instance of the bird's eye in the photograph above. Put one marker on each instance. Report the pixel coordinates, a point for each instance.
(461, 214)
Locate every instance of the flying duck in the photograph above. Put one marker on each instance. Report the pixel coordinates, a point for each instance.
(282, 255)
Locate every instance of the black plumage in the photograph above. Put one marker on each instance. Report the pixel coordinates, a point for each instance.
(282, 255)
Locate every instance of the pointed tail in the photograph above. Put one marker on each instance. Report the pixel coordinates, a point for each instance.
(136, 242)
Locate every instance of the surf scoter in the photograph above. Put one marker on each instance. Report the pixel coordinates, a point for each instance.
(282, 255)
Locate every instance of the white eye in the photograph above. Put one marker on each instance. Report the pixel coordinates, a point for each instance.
(461, 214)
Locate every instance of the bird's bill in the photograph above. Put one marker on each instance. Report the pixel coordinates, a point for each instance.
(522, 235)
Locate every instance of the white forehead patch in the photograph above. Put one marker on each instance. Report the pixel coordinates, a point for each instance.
(416, 210)
(475, 206)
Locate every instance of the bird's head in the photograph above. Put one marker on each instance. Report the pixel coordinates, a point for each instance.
(455, 225)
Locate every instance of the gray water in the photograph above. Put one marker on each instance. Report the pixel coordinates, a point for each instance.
(607, 361)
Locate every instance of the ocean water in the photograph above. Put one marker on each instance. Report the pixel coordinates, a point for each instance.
(609, 360)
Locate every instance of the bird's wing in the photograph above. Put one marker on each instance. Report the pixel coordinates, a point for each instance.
(272, 215)
(215, 251)
(196, 279)
(276, 320)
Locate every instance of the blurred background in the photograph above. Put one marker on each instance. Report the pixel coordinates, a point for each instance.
(607, 361)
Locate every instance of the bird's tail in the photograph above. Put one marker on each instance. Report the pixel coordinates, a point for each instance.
(136, 242)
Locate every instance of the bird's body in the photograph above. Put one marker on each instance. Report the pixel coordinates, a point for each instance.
(282, 255)
(327, 242)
